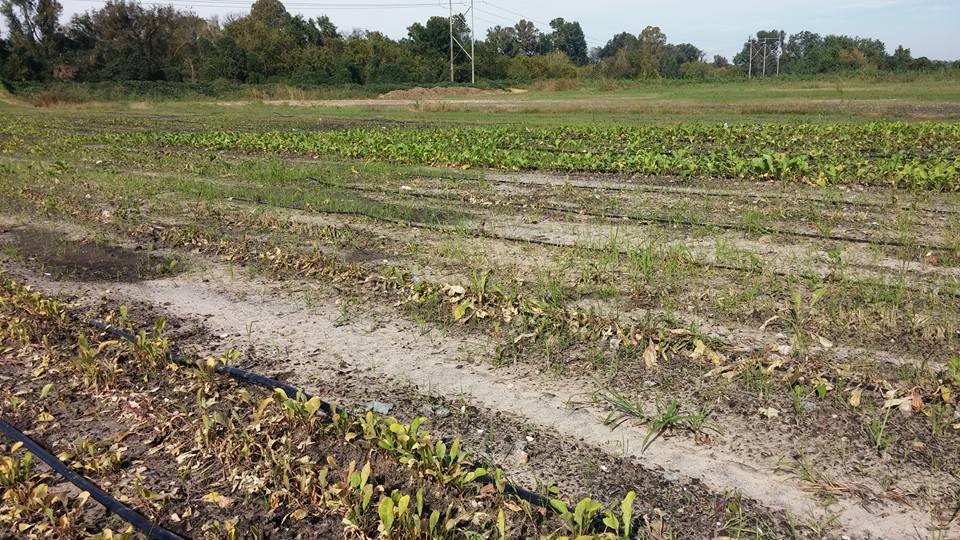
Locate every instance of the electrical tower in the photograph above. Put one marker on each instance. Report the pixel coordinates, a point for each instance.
(453, 40)
(759, 48)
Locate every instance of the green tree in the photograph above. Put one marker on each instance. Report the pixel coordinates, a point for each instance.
(529, 38)
(675, 56)
(623, 40)
(223, 59)
(125, 41)
(503, 40)
(36, 38)
(555, 65)
(900, 60)
(650, 49)
(567, 37)
(271, 37)
(434, 36)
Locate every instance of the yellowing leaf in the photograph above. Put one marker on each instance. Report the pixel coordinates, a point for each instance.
(216, 498)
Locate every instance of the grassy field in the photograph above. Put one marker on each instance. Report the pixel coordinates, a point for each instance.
(604, 295)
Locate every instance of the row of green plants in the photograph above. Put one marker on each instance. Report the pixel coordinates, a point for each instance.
(265, 436)
(521, 319)
(922, 156)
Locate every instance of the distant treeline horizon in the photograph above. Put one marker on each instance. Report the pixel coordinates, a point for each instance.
(128, 41)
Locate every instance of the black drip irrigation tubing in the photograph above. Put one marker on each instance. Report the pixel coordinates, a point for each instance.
(266, 382)
(235, 372)
(144, 525)
(657, 219)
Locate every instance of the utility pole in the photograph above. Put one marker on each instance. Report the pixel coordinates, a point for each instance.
(779, 54)
(750, 63)
(473, 42)
(450, 20)
(764, 58)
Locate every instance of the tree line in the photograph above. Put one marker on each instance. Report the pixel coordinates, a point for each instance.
(127, 41)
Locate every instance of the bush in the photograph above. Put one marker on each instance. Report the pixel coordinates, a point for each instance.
(555, 65)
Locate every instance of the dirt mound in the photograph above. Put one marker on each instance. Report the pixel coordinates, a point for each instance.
(419, 92)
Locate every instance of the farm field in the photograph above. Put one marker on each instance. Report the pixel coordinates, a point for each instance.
(743, 323)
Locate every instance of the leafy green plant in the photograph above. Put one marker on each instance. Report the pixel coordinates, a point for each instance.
(580, 521)
(876, 429)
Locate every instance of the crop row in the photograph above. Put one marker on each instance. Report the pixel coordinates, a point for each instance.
(412, 485)
(916, 156)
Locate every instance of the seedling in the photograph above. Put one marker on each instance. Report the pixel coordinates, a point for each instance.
(876, 429)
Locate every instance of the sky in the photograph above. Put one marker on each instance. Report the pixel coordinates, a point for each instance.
(928, 27)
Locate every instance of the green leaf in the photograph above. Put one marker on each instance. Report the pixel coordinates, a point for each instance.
(559, 506)
(386, 515)
(611, 522)
(626, 511)
(312, 405)
(461, 309)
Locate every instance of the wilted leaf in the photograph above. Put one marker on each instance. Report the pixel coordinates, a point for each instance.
(216, 498)
(522, 337)
(895, 402)
(855, 396)
(769, 412)
(650, 356)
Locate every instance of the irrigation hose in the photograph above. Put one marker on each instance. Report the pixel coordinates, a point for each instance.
(266, 382)
(235, 372)
(128, 514)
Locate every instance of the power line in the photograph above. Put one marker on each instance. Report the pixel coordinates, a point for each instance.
(587, 38)
(304, 5)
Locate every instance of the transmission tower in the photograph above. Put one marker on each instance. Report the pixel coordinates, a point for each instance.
(759, 48)
(453, 40)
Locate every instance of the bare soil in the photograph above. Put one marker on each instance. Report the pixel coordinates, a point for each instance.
(83, 260)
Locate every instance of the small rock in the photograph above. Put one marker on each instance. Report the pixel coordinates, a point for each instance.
(379, 407)
(441, 412)
(808, 406)
(785, 350)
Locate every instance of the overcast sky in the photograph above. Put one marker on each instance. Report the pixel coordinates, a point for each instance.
(928, 27)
